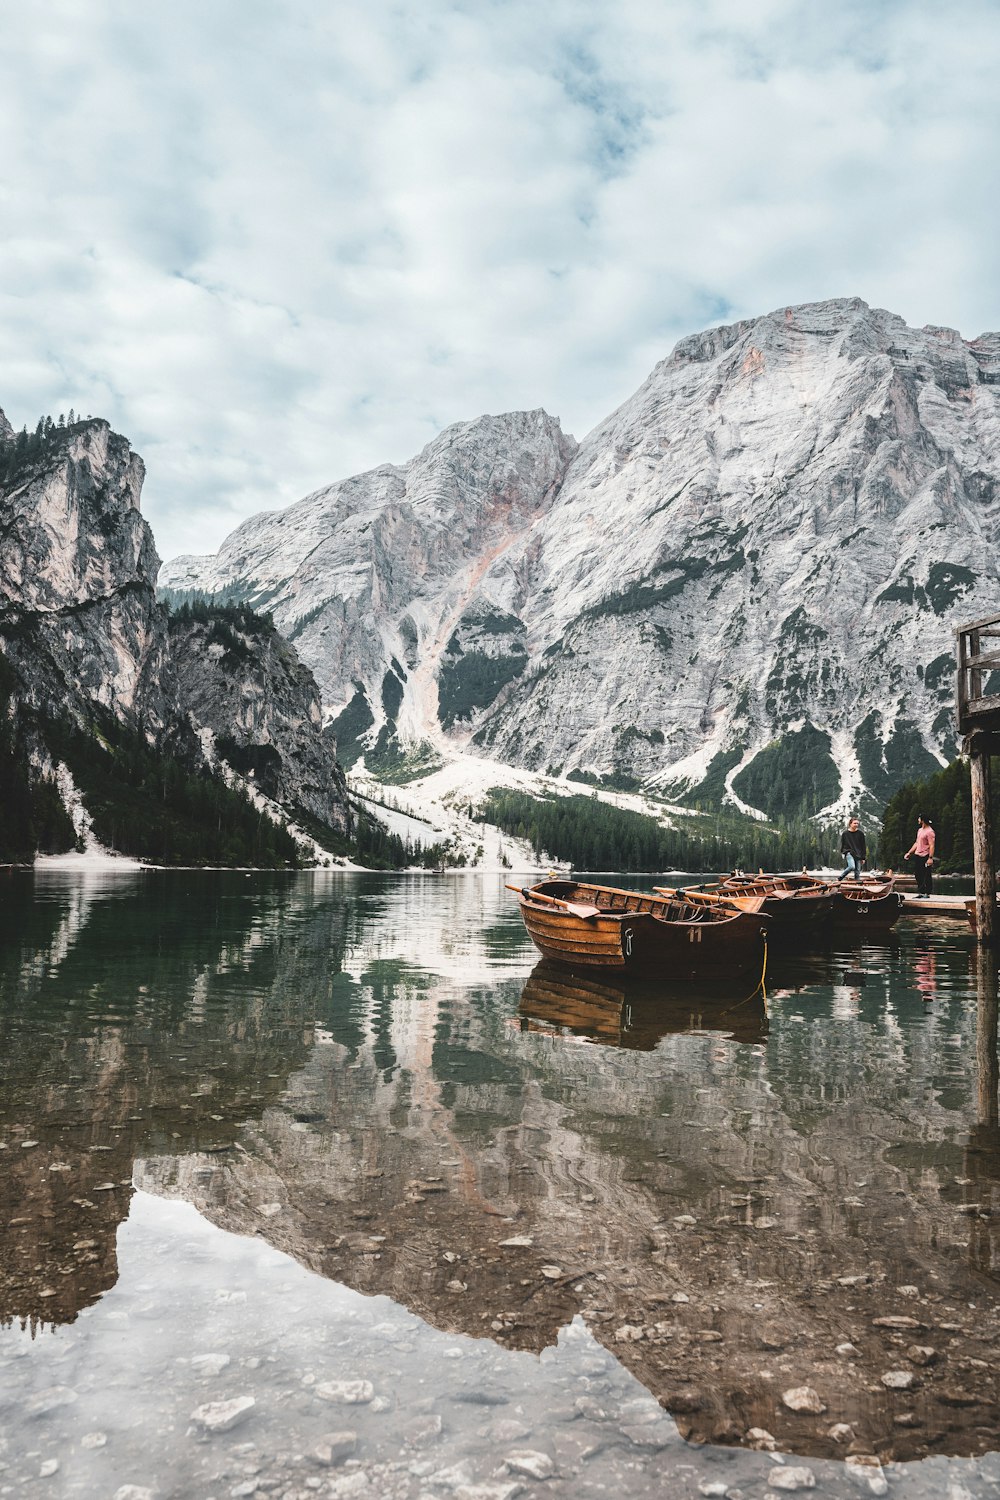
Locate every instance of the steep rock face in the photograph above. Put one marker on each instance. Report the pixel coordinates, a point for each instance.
(371, 577)
(78, 614)
(743, 583)
(82, 629)
(241, 680)
(792, 514)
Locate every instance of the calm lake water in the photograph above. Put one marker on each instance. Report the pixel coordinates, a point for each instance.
(322, 1184)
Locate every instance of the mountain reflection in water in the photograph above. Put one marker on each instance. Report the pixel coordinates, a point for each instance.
(370, 1073)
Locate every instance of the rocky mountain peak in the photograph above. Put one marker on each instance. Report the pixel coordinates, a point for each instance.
(6, 430)
(739, 586)
(84, 641)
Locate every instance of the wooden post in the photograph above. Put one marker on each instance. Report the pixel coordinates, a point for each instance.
(982, 839)
(979, 722)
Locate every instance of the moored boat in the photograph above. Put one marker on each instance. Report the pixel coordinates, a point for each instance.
(795, 905)
(591, 926)
(866, 903)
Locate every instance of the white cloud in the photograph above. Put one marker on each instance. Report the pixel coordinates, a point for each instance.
(275, 248)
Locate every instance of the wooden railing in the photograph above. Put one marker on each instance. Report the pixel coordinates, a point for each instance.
(977, 710)
(979, 724)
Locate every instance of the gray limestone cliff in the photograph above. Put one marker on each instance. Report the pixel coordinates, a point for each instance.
(741, 586)
(238, 679)
(85, 642)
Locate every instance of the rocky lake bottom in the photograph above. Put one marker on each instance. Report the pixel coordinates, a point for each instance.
(322, 1184)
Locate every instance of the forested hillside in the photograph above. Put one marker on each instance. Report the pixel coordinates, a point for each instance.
(945, 799)
(593, 835)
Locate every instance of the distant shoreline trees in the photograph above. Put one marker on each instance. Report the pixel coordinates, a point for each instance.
(945, 799)
(593, 835)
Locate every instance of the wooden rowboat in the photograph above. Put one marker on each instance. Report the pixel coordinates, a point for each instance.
(796, 905)
(602, 927)
(866, 903)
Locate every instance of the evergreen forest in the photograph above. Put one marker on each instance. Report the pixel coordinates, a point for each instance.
(150, 805)
(945, 800)
(21, 453)
(32, 816)
(593, 835)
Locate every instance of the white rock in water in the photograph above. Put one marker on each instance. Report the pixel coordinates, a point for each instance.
(222, 1416)
(94, 1440)
(346, 1392)
(48, 1468)
(898, 1380)
(134, 1492)
(534, 1465)
(336, 1447)
(921, 1354)
(759, 1437)
(209, 1364)
(803, 1398)
(867, 1467)
(792, 1478)
(423, 1430)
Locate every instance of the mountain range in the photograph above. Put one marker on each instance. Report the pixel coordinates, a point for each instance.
(739, 589)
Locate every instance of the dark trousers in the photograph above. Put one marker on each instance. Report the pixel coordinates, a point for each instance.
(922, 871)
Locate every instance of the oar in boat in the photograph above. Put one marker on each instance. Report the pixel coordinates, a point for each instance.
(712, 898)
(577, 908)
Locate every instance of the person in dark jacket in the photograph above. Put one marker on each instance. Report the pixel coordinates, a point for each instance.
(854, 850)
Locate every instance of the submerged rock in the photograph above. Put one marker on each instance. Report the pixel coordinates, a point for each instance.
(803, 1398)
(222, 1416)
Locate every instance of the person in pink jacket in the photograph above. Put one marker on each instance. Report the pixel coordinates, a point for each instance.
(921, 851)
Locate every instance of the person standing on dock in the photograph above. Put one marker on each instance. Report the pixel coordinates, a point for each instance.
(921, 851)
(854, 850)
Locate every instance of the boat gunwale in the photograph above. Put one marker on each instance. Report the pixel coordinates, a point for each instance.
(701, 913)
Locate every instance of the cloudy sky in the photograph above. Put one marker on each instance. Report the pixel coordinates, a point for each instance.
(278, 244)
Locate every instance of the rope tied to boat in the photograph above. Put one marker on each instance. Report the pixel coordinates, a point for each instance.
(759, 987)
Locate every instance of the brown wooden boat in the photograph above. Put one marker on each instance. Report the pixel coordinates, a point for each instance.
(618, 1011)
(710, 896)
(795, 903)
(866, 903)
(602, 927)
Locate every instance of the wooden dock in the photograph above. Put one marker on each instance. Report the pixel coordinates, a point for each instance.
(935, 906)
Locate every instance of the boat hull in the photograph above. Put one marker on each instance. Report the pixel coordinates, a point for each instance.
(861, 910)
